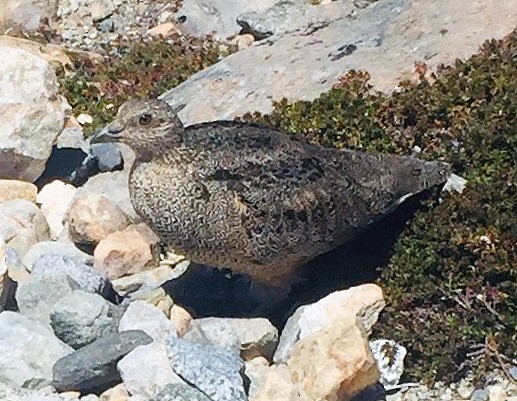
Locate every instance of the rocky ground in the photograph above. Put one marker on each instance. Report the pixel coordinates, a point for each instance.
(87, 308)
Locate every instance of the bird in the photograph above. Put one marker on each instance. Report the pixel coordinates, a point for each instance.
(252, 199)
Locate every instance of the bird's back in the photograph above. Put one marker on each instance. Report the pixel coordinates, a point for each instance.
(261, 202)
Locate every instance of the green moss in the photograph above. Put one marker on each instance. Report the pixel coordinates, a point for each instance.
(451, 283)
(142, 69)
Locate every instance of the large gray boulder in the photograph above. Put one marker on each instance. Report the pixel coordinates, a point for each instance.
(218, 17)
(385, 38)
(28, 350)
(32, 113)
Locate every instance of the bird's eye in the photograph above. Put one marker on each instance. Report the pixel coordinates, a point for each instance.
(145, 119)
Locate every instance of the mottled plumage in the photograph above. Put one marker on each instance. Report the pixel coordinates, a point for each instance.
(251, 199)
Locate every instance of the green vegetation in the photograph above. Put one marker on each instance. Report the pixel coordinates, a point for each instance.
(451, 283)
(142, 69)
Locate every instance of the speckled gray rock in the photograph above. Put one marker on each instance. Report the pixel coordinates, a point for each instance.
(251, 337)
(146, 370)
(94, 367)
(86, 277)
(37, 296)
(214, 371)
(28, 350)
(82, 317)
(54, 248)
(141, 315)
(22, 225)
(180, 392)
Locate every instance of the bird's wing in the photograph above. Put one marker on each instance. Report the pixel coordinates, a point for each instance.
(285, 194)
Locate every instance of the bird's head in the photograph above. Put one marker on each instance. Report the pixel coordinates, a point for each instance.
(142, 125)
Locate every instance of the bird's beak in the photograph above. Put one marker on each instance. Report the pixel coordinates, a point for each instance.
(110, 133)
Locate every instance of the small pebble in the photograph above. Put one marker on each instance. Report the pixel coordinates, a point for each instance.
(480, 395)
(513, 372)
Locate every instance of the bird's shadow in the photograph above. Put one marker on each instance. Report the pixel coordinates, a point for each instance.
(206, 291)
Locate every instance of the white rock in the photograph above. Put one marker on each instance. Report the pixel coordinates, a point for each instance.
(390, 360)
(84, 119)
(113, 185)
(55, 198)
(143, 316)
(32, 113)
(92, 217)
(455, 183)
(364, 301)
(252, 337)
(146, 370)
(28, 350)
(22, 225)
(14, 189)
(26, 13)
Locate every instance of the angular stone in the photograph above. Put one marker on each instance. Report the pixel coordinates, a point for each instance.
(32, 113)
(181, 319)
(144, 281)
(112, 185)
(108, 156)
(81, 318)
(390, 360)
(89, 280)
(214, 371)
(26, 13)
(92, 217)
(22, 225)
(143, 316)
(180, 392)
(256, 370)
(276, 385)
(132, 250)
(37, 296)
(53, 248)
(251, 337)
(364, 301)
(55, 198)
(117, 393)
(28, 350)
(14, 189)
(146, 370)
(94, 367)
(334, 363)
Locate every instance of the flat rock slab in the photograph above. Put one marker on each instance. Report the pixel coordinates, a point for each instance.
(386, 39)
(93, 368)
